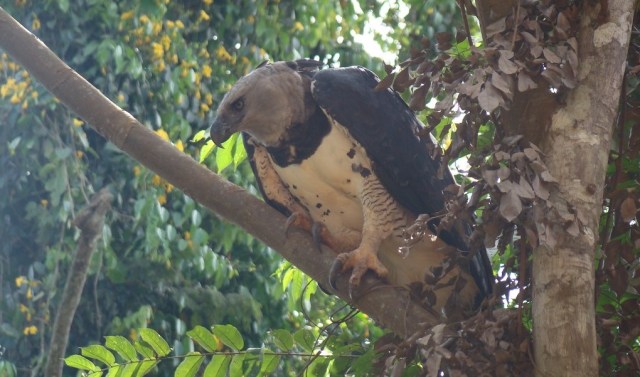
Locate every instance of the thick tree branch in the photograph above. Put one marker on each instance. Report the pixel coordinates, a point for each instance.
(389, 306)
(90, 221)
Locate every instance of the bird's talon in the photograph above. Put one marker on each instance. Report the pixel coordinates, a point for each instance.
(336, 268)
(317, 229)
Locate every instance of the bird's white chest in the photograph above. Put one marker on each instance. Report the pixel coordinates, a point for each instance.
(329, 183)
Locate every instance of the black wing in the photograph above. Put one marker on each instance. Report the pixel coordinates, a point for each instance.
(386, 128)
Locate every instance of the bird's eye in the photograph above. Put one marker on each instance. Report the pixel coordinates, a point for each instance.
(238, 104)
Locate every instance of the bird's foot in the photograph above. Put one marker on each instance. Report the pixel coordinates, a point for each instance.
(318, 230)
(360, 261)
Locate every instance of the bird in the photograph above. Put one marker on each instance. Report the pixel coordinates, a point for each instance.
(345, 161)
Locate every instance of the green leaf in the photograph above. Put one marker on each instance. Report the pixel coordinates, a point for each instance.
(283, 339)
(99, 353)
(115, 371)
(318, 367)
(305, 339)
(239, 153)
(200, 135)
(206, 150)
(80, 362)
(269, 362)
(156, 341)
(235, 369)
(190, 365)
(145, 367)
(230, 336)
(122, 346)
(224, 156)
(218, 366)
(203, 337)
(144, 349)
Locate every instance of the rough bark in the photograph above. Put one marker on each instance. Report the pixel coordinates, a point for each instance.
(577, 147)
(90, 221)
(389, 306)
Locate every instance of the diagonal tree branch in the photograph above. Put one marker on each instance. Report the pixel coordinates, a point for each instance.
(389, 306)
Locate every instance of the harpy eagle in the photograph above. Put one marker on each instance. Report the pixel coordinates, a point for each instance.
(343, 161)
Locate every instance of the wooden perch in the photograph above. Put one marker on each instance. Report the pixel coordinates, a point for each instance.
(389, 306)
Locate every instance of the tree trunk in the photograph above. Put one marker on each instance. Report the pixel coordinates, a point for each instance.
(575, 137)
(577, 148)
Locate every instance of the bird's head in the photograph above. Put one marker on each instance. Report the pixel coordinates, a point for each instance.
(263, 104)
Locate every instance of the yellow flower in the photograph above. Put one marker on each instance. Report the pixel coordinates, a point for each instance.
(163, 134)
(156, 180)
(166, 42)
(157, 51)
(206, 71)
(208, 99)
(15, 99)
(222, 53)
(179, 24)
(251, 19)
(136, 170)
(126, 15)
(187, 235)
(204, 108)
(168, 188)
(207, 2)
(162, 199)
(35, 25)
(30, 330)
(297, 26)
(180, 146)
(23, 308)
(160, 66)
(203, 16)
(20, 280)
(174, 59)
(120, 97)
(157, 26)
(144, 19)
(79, 154)
(29, 293)
(77, 122)
(170, 24)
(44, 203)
(133, 334)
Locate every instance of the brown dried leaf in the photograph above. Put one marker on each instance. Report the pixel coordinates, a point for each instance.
(628, 209)
(524, 190)
(510, 206)
(552, 77)
(531, 154)
(385, 83)
(490, 176)
(573, 229)
(402, 80)
(506, 65)
(547, 177)
(489, 98)
(496, 27)
(573, 43)
(529, 37)
(505, 186)
(418, 96)
(525, 82)
(502, 83)
(504, 172)
(536, 51)
(539, 188)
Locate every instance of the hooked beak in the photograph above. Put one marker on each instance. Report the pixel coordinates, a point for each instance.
(220, 132)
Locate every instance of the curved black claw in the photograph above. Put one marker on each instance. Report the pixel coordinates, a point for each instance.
(291, 220)
(336, 269)
(317, 230)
